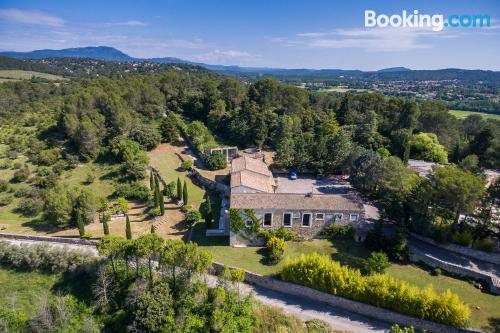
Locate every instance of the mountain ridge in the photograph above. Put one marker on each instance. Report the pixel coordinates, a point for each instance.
(107, 53)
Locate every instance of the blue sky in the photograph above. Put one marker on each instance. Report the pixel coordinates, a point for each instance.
(273, 33)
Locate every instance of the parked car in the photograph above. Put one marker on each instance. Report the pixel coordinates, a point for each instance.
(293, 174)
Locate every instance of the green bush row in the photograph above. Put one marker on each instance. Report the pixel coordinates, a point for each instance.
(382, 290)
(43, 257)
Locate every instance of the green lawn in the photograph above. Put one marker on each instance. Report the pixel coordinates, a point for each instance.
(103, 185)
(484, 307)
(168, 163)
(9, 75)
(464, 114)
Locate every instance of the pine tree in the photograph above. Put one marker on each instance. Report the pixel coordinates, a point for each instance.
(105, 226)
(179, 189)
(151, 180)
(162, 204)
(79, 223)
(185, 194)
(128, 229)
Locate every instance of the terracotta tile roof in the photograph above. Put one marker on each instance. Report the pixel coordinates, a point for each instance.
(283, 201)
(252, 173)
(250, 164)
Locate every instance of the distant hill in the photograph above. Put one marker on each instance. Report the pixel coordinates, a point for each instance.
(393, 69)
(107, 53)
(97, 52)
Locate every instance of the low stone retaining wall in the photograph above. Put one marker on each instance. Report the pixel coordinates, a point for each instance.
(490, 257)
(75, 241)
(346, 304)
(418, 256)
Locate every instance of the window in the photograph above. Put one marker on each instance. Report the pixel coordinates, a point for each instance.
(353, 217)
(320, 216)
(338, 216)
(306, 219)
(287, 219)
(268, 219)
(249, 223)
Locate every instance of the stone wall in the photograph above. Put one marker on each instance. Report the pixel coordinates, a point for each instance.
(316, 225)
(346, 304)
(418, 256)
(490, 257)
(75, 241)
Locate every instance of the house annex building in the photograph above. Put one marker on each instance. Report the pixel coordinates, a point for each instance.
(305, 205)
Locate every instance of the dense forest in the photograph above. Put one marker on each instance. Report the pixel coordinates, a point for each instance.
(365, 135)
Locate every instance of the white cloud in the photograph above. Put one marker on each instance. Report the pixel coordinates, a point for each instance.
(223, 57)
(16, 15)
(129, 23)
(372, 39)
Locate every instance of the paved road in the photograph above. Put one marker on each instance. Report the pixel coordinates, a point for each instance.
(292, 305)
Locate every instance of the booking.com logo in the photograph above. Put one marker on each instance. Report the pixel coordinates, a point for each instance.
(416, 20)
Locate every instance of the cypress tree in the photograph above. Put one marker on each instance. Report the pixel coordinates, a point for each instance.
(79, 223)
(179, 189)
(105, 226)
(128, 229)
(185, 194)
(162, 204)
(152, 229)
(151, 180)
(159, 196)
(208, 213)
(157, 184)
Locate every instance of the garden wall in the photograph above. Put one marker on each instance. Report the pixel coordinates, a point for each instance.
(418, 256)
(492, 257)
(346, 304)
(74, 241)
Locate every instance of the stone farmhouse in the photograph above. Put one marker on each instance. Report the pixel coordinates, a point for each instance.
(299, 205)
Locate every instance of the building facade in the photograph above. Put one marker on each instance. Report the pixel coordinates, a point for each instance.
(307, 214)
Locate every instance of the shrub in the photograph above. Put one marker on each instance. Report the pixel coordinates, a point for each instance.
(5, 199)
(275, 249)
(43, 257)
(318, 271)
(282, 233)
(377, 262)
(21, 174)
(169, 190)
(30, 206)
(215, 161)
(436, 272)
(318, 326)
(133, 191)
(192, 217)
(485, 244)
(154, 212)
(340, 231)
(4, 185)
(464, 238)
(396, 329)
(186, 165)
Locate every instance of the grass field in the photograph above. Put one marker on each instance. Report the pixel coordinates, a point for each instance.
(15, 75)
(165, 159)
(464, 114)
(484, 307)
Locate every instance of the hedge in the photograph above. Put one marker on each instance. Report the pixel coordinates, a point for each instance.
(382, 290)
(43, 257)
